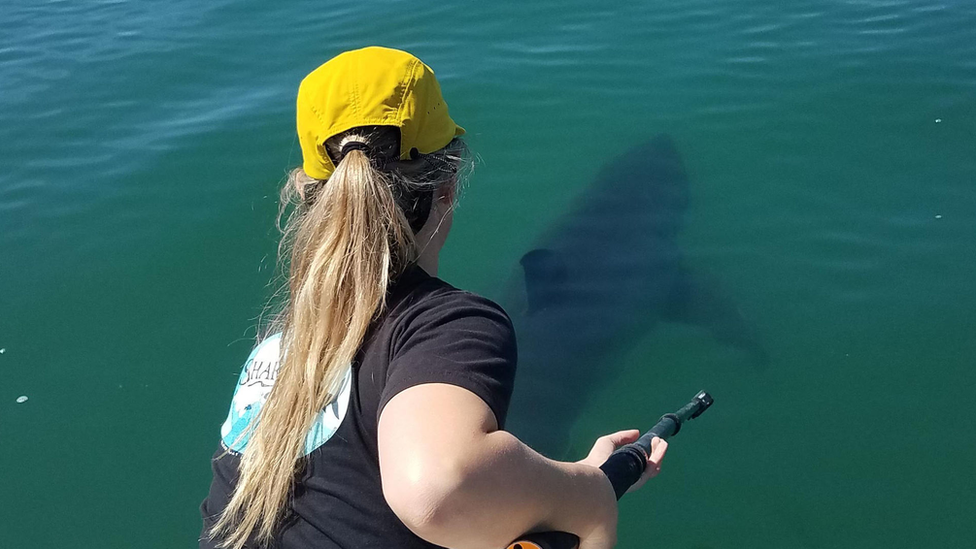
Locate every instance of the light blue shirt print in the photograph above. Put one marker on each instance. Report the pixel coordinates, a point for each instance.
(255, 382)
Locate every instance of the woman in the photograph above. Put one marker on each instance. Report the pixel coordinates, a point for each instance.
(381, 424)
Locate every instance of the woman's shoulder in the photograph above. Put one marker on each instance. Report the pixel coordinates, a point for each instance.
(433, 304)
(434, 296)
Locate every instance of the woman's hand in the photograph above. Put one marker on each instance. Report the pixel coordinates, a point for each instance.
(605, 445)
(603, 534)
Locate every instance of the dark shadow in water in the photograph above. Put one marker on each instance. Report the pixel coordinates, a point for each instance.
(599, 279)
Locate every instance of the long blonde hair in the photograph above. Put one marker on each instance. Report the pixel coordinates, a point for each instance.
(346, 241)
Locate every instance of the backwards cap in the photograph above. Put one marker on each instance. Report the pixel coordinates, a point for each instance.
(371, 87)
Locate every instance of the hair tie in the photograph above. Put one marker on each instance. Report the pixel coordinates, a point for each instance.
(354, 146)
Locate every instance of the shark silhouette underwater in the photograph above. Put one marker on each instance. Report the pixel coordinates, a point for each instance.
(601, 277)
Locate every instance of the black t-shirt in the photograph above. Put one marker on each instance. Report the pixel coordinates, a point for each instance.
(431, 333)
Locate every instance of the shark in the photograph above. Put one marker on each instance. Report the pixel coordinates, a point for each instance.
(604, 274)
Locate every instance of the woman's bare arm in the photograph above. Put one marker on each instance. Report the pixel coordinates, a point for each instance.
(457, 481)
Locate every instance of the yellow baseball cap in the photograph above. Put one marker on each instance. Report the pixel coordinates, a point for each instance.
(371, 87)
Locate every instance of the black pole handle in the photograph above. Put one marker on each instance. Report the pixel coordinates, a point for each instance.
(626, 464)
(623, 468)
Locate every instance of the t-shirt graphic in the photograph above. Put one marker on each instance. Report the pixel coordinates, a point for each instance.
(253, 387)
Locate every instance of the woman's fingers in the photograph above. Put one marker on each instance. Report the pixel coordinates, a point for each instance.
(605, 445)
(620, 438)
(658, 448)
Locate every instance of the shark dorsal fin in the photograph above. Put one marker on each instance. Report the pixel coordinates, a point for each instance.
(545, 278)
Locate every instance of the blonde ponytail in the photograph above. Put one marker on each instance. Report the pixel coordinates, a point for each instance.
(345, 248)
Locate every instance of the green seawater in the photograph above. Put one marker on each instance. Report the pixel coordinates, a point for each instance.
(831, 151)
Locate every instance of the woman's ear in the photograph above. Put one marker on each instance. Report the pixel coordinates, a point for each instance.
(447, 193)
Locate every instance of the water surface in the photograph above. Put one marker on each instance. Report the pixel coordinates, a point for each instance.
(829, 150)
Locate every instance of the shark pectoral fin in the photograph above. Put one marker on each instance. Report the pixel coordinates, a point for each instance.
(545, 278)
(697, 300)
